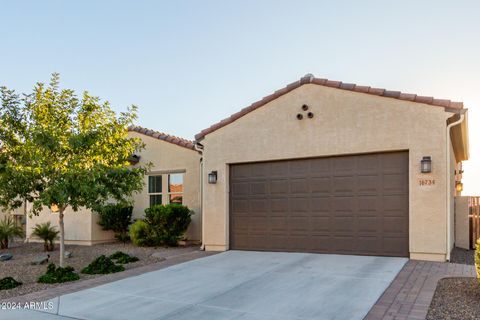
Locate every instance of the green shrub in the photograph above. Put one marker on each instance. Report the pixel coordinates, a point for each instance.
(9, 283)
(167, 223)
(123, 258)
(102, 265)
(477, 260)
(116, 217)
(8, 231)
(140, 233)
(47, 233)
(58, 275)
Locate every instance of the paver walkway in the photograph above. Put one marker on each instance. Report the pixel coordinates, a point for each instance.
(410, 293)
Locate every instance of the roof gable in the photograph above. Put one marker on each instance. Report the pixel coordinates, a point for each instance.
(310, 79)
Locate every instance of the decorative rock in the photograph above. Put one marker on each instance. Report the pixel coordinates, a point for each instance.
(40, 260)
(6, 256)
(67, 254)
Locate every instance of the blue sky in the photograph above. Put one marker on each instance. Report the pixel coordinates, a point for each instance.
(188, 64)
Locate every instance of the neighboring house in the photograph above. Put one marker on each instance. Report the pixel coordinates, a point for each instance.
(331, 167)
(173, 178)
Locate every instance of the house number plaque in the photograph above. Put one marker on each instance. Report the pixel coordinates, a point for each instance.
(426, 182)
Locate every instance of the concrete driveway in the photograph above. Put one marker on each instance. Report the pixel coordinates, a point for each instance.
(236, 285)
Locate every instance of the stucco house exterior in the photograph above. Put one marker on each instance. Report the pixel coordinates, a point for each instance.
(173, 177)
(332, 167)
(318, 166)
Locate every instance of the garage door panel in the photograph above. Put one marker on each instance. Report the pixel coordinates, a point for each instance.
(280, 186)
(299, 185)
(353, 204)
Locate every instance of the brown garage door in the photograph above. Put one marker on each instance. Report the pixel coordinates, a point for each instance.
(350, 204)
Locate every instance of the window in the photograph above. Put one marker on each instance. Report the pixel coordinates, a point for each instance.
(175, 188)
(155, 189)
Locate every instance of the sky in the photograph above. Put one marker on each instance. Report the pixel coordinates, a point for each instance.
(189, 64)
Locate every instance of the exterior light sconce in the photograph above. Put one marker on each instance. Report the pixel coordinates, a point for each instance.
(426, 165)
(459, 186)
(54, 208)
(212, 177)
(133, 159)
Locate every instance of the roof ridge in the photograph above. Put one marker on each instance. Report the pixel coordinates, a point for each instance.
(182, 142)
(310, 79)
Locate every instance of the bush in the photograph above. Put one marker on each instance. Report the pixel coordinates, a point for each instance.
(116, 217)
(140, 233)
(58, 275)
(47, 233)
(8, 230)
(477, 260)
(102, 265)
(123, 258)
(9, 283)
(168, 223)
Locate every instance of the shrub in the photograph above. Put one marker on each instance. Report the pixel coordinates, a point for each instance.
(140, 233)
(8, 230)
(58, 275)
(116, 217)
(477, 260)
(47, 233)
(168, 223)
(102, 265)
(123, 258)
(9, 283)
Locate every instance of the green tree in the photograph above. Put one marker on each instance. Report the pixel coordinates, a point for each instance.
(60, 151)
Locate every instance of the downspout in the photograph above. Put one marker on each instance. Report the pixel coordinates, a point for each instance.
(199, 149)
(449, 142)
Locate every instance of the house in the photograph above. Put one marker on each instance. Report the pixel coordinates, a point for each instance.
(318, 166)
(175, 164)
(331, 167)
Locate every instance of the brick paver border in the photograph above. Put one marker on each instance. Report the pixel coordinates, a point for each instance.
(411, 292)
(90, 283)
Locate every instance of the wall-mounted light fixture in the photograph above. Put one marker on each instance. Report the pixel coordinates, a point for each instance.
(212, 177)
(459, 186)
(54, 208)
(426, 165)
(133, 159)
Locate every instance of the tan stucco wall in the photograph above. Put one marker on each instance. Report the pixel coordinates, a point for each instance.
(167, 157)
(344, 123)
(462, 231)
(82, 228)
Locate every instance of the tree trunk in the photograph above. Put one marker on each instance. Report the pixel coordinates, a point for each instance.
(62, 237)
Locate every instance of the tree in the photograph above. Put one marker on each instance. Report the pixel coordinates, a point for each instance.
(59, 151)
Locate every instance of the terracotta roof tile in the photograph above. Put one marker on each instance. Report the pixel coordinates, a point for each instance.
(163, 136)
(310, 79)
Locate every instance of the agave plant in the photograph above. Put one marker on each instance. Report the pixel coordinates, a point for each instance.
(8, 230)
(47, 233)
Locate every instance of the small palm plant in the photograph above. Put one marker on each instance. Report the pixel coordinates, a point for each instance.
(8, 230)
(47, 233)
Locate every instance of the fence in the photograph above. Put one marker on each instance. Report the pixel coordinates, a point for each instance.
(474, 218)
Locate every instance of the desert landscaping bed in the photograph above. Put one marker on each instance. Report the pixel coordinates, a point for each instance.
(456, 298)
(21, 269)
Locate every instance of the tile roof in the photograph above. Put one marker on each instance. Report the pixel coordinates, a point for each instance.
(163, 136)
(310, 79)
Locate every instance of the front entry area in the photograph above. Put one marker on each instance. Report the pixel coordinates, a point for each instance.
(355, 204)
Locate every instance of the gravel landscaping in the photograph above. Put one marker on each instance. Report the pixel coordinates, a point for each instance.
(462, 256)
(20, 268)
(456, 298)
